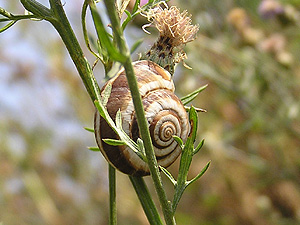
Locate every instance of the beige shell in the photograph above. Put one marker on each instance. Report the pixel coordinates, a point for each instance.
(164, 111)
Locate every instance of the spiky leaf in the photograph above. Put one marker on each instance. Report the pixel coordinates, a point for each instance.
(190, 97)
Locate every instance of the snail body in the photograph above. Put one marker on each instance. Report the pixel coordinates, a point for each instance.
(164, 112)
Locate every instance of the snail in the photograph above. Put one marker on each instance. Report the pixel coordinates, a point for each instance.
(165, 113)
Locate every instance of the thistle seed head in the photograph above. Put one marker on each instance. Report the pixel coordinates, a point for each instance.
(173, 25)
(175, 30)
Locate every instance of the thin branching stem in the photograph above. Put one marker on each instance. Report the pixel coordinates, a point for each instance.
(112, 195)
(11, 17)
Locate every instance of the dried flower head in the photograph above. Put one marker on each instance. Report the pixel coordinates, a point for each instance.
(173, 24)
(175, 30)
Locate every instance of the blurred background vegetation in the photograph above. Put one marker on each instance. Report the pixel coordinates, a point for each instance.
(247, 51)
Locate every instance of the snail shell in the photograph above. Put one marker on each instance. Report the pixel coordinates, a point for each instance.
(164, 111)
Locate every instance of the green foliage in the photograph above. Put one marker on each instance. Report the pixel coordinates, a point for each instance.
(94, 149)
(190, 97)
(103, 37)
(89, 129)
(114, 142)
(13, 18)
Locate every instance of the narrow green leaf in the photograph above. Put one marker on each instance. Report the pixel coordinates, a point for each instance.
(89, 129)
(141, 147)
(103, 35)
(38, 9)
(199, 175)
(93, 87)
(106, 94)
(127, 20)
(94, 149)
(186, 159)
(179, 141)
(85, 33)
(187, 108)
(113, 142)
(103, 112)
(136, 6)
(10, 24)
(124, 137)
(185, 162)
(190, 97)
(136, 45)
(101, 50)
(114, 70)
(118, 128)
(194, 123)
(119, 119)
(168, 175)
(5, 13)
(199, 146)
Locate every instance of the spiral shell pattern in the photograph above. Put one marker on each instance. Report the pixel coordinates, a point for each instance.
(164, 111)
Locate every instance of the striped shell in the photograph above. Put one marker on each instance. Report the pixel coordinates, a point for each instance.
(164, 111)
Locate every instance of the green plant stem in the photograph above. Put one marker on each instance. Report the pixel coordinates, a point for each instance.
(71, 42)
(112, 195)
(60, 21)
(146, 200)
(140, 114)
(37, 9)
(11, 17)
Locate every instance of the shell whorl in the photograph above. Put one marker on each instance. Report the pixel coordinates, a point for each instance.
(164, 111)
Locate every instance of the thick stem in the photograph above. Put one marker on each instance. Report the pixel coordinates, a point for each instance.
(65, 30)
(139, 110)
(146, 200)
